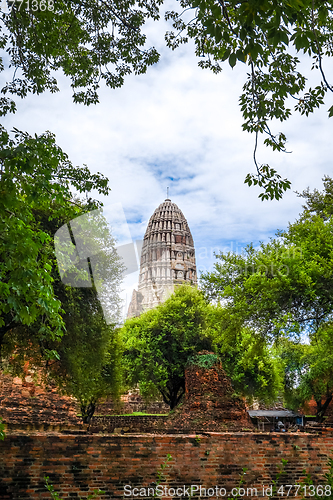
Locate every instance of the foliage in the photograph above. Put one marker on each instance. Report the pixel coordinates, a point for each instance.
(319, 202)
(240, 482)
(157, 344)
(254, 369)
(308, 370)
(160, 343)
(86, 360)
(324, 489)
(294, 359)
(104, 41)
(282, 292)
(35, 176)
(203, 361)
(159, 474)
(2, 430)
(55, 495)
(89, 41)
(89, 353)
(284, 287)
(36, 307)
(265, 36)
(282, 472)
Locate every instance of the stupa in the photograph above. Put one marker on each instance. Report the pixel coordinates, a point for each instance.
(167, 258)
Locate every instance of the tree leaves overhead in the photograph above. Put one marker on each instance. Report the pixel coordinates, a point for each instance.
(103, 41)
(265, 35)
(89, 40)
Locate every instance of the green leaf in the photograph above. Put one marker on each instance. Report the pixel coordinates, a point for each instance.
(232, 59)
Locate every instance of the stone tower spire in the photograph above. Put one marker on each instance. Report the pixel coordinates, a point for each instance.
(167, 258)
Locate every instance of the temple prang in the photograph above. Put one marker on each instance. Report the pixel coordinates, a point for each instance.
(167, 258)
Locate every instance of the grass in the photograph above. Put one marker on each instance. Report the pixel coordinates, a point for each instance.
(134, 414)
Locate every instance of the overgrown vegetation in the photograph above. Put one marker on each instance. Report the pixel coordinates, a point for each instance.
(55, 495)
(280, 295)
(203, 361)
(2, 430)
(160, 343)
(56, 327)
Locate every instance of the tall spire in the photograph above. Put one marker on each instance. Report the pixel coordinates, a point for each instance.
(167, 258)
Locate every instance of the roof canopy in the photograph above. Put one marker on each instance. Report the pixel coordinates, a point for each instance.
(273, 413)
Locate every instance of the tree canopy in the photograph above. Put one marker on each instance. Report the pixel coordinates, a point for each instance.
(36, 178)
(89, 41)
(159, 343)
(255, 371)
(88, 365)
(308, 371)
(282, 292)
(100, 41)
(84, 358)
(284, 286)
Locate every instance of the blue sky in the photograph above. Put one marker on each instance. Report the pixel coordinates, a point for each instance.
(183, 123)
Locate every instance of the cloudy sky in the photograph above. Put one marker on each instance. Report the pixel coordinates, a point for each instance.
(180, 126)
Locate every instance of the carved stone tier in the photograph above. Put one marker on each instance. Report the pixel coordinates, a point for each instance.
(167, 258)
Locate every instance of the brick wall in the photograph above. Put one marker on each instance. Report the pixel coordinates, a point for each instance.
(25, 401)
(125, 423)
(76, 464)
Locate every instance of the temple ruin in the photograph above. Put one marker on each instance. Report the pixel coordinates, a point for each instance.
(210, 403)
(167, 258)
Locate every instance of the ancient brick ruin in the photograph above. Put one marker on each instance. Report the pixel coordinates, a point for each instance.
(210, 403)
(26, 402)
(167, 258)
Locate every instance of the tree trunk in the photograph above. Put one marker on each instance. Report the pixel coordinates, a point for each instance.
(175, 396)
(5, 329)
(321, 409)
(87, 412)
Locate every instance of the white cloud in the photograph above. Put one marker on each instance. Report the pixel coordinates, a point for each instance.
(181, 122)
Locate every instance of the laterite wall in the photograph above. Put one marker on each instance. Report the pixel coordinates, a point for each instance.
(77, 464)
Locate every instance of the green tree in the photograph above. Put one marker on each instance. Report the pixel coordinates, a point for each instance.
(89, 41)
(89, 366)
(104, 41)
(85, 362)
(282, 288)
(283, 293)
(319, 202)
(309, 371)
(158, 344)
(255, 370)
(35, 176)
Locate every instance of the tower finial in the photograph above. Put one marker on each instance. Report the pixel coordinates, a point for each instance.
(167, 193)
